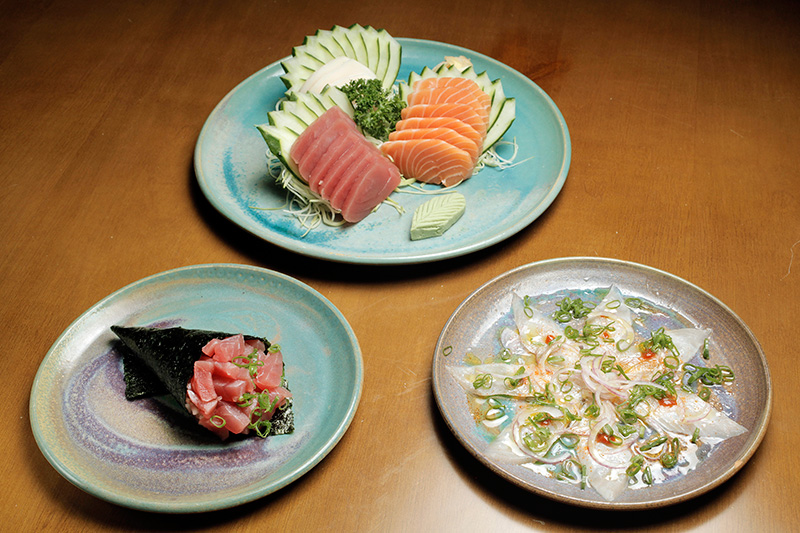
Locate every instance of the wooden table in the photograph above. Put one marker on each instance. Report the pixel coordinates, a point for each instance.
(683, 119)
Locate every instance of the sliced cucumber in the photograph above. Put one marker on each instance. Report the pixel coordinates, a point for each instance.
(295, 114)
(502, 112)
(375, 49)
(505, 117)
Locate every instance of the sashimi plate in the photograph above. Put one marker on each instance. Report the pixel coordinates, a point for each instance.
(139, 454)
(231, 167)
(474, 328)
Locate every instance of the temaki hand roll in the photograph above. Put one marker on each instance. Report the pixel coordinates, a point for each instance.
(231, 383)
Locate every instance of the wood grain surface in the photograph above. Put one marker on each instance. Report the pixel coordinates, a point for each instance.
(683, 119)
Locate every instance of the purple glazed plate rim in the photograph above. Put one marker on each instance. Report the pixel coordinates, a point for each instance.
(143, 456)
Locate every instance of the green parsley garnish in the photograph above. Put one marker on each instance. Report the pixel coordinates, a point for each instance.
(377, 110)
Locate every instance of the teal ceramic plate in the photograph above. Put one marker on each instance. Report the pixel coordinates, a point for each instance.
(139, 455)
(230, 164)
(475, 324)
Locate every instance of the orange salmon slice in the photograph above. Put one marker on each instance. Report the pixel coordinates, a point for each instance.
(463, 112)
(446, 134)
(441, 122)
(430, 160)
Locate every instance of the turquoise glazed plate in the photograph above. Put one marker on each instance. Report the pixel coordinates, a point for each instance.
(231, 167)
(474, 328)
(143, 455)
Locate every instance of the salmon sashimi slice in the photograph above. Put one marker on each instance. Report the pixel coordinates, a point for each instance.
(430, 160)
(473, 96)
(441, 122)
(445, 134)
(463, 112)
(429, 83)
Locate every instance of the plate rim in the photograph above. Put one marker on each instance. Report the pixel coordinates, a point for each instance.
(293, 245)
(741, 459)
(154, 504)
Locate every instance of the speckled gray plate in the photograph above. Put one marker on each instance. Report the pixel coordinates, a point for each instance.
(474, 326)
(141, 455)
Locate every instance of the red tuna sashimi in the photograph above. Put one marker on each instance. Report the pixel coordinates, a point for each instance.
(309, 151)
(327, 122)
(430, 160)
(222, 392)
(312, 165)
(339, 168)
(270, 374)
(378, 181)
(349, 177)
(321, 175)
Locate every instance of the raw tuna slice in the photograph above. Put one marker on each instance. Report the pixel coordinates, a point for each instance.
(332, 149)
(229, 383)
(350, 176)
(324, 125)
(339, 167)
(319, 154)
(376, 182)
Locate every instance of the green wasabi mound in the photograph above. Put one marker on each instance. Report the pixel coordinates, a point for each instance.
(437, 215)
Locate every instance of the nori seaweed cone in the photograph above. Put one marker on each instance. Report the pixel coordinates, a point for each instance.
(160, 361)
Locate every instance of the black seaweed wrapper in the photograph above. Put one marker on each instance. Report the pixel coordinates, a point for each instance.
(160, 361)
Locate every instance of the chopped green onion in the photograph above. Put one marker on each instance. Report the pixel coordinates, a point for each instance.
(569, 309)
(647, 476)
(494, 403)
(633, 302)
(483, 380)
(659, 339)
(637, 462)
(569, 440)
(626, 346)
(670, 457)
(652, 443)
(494, 414)
(717, 375)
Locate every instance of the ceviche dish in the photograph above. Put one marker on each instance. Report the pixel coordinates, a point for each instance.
(600, 391)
